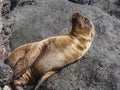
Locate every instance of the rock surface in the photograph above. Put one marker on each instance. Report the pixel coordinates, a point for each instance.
(99, 69)
(5, 70)
(5, 73)
(81, 1)
(5, 7)
(110, 6)
(1, 23)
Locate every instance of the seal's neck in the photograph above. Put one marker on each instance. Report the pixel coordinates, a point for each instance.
(79, 33)
(75, 30)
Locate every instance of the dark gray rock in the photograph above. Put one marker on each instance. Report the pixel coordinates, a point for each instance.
(24, 2)
(5, 7)
(1, 23)
(81, 1)
(5, 73)
(5, 27)
(99, 69)
(110, 6)
(16, 3)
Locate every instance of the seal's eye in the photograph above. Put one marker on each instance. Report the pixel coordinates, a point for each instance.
(86, 21)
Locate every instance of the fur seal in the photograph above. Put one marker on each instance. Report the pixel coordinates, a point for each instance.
(44, 58)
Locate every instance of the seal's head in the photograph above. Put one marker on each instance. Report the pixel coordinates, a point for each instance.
(81, 24)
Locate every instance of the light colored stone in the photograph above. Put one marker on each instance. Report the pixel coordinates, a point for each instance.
(6, 87)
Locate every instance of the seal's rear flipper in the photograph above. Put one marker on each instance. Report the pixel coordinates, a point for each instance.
(24, 63)
(44, 78)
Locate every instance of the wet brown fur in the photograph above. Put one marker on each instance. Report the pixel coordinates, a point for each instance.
(42, 59)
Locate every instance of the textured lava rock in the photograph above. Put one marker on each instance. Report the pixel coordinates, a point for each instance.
(5, 71)
(5, 7)
(5, 74)
(110, 6)
(1, 23)
(81, 1)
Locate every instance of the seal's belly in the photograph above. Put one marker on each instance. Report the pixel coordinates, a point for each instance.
(49, 62)
(56, 59)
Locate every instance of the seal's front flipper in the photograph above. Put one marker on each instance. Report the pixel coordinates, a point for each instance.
(44, 78)
(24, 63)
